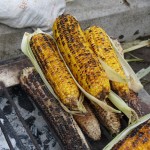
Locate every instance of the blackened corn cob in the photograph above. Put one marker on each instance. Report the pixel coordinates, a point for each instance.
(62, 122)
(108, 119)
(89, 124)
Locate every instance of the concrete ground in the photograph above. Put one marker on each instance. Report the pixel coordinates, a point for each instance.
(125, 21)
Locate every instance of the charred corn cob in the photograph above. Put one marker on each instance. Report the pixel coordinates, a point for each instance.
(102, 47)
(62, 122)
(108, 119)
(81, 60)
(138, 139)
(89, 124)
(134, 102)
(45, 51)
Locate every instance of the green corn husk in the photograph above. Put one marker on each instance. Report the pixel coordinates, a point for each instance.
(133, 81)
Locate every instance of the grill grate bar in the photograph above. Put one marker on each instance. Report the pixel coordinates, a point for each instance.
(10, 131)
(6, 136)
(19, 115)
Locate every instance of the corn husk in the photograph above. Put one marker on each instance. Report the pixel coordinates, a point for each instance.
(111, 73)
(122, 106)
(143, 72)
(137, 46)
(133, 81)
(134, 60)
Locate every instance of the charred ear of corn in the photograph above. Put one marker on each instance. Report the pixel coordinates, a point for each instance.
(81, 60)
(101, 46)
(108, 119)
(89, 124)
(62, 122)
(134, 102)
(138, 139)
(46, 54)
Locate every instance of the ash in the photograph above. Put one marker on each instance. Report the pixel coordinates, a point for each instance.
(33, 119)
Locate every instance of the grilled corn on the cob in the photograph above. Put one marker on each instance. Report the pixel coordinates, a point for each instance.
(45, 51)
(89, 124)
(134, 102)
(102, 47)
(108, 119)
(62, 122)
(81, 60)
(138, 139)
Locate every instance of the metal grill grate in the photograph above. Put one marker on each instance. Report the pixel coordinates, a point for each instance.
(14, 140)
(5, 92)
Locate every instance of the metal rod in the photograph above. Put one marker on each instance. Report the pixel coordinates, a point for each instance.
(19, 116)
(8, 127)
(6, 136)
